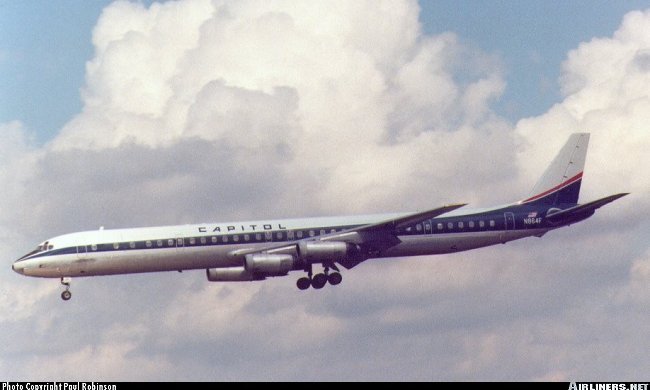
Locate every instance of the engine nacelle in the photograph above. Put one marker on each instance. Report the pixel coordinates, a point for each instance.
(231, 274)
(270, 264)
(318, 251)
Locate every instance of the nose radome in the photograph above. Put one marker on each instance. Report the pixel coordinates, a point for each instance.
(18, 269)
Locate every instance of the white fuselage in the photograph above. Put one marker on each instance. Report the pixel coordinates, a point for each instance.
(203, 246)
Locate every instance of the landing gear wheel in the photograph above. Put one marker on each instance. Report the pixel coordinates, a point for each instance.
(334, 278)
(66, 295)
(303, 283)
(319, 281)
(65, 281)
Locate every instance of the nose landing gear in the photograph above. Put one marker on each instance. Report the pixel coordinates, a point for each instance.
(66, 294)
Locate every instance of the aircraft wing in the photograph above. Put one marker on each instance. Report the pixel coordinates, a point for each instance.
(381, 234)
(582, 211)
(388, 226)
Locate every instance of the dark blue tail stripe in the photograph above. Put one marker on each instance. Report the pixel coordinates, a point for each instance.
(565, 196)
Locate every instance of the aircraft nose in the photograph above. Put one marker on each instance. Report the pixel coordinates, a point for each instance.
(17, 267)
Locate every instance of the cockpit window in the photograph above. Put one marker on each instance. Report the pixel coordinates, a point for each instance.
(46, 246)
(35, 251)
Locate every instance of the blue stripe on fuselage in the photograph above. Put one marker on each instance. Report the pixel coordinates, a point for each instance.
(523, 217)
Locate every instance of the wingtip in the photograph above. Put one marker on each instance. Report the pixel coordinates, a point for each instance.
(451, 207)
(622, 194)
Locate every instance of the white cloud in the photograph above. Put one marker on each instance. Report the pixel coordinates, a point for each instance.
(312, 86)
(199, 110)
(636, 291)
(607, 84)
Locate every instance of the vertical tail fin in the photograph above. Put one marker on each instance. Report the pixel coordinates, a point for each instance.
(561, 181)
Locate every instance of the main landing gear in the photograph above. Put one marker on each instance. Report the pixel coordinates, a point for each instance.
(66, 294)
(319, 281)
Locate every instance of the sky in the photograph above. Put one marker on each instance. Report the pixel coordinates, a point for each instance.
(138, 114)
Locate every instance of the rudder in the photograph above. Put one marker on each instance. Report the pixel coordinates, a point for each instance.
(560, 183)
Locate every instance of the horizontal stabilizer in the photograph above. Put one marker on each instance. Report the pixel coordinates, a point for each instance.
(582, 211)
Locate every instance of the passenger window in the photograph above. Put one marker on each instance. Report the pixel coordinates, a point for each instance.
(450, 225)
(481, 223)
(258, 237)
(279, 235)
(214, 239)
(170, 243)
(132, 245)
(492, 223)
(159, 243)
(148, 244)
(322, 232)
(268, 236)
(299, 234)
(333, 231)
(116, 246)
(460, 225)
(235, 238)
(247, 237)
(224, 239)
(290, 235)
(203, 240)
(418, 227)
(179, 242)
(439, 226)
(311, 233)
(192, 241)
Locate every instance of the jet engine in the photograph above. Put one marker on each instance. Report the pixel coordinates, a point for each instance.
(256, 267)
(231, 274)
(318, 251)
(270, 264)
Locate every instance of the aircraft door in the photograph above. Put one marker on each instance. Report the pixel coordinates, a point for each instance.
(180, 243)
(82, 252)
(510, 221)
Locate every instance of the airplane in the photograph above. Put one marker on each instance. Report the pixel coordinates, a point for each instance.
(251, 251)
